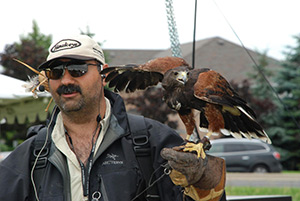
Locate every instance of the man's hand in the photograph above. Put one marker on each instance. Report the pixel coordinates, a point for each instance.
(187, 168)
(203, 179)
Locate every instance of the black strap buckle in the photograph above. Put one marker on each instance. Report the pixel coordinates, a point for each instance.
(41, 163)
(42, 158)
(141, 145)
(140, 140)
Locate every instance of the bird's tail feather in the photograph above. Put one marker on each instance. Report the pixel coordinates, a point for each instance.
(242, 126)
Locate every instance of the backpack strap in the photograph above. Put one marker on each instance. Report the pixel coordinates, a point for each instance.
(40, 133)
(141, 146)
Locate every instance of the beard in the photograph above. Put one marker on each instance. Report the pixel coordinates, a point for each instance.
(83, 101)
(73, 104)
(67, 107)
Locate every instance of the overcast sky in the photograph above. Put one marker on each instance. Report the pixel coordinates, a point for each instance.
(142, 24)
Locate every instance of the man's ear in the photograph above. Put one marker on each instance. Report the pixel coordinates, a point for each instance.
(104, 66)
(103, 76)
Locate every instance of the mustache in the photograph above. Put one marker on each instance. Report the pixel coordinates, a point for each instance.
(68, 89)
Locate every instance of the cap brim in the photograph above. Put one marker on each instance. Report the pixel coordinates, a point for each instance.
(47, 63)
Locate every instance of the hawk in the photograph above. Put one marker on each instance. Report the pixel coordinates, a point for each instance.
(186, 89)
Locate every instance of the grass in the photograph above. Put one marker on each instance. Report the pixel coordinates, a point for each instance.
(235, 190)
(290, 172)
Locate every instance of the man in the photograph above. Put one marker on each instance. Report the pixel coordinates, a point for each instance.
(91, 154)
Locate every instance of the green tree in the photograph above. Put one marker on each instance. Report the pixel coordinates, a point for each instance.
(260, 88)
(264, 98)
(257, 92)
(32, 49)
(286, 131)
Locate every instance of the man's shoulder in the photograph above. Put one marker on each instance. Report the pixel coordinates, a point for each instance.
(154, 124)
(19, 159)
(149, 123)
(34, 130)
(161, 133)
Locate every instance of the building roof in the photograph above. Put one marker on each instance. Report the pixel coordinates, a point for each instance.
(223, 56)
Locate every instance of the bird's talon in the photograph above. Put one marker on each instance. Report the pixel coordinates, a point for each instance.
(197, 148)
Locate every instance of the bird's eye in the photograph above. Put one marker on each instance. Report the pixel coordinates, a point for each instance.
(175, 73)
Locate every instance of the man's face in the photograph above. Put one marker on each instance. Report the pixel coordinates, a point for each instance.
(73, 94)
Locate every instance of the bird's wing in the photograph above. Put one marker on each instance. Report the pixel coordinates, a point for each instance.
(226, 108)
(212, 87)
(131, 77)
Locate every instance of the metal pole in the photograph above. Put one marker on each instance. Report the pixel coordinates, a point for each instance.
(194, 37)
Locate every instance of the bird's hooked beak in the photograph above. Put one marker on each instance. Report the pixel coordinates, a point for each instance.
(182, 77)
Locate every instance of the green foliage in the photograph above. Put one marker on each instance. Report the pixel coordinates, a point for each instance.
(37, 37)
(288, 82)
(11, 133)
(244, 191)
(5, 147)
(261, 89)
(8, 137)
(32, 49)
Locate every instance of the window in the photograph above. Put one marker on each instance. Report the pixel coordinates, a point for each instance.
(233, 147)
(254, 147)
(216, 148)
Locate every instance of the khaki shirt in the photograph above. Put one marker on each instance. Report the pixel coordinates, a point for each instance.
(59, 139)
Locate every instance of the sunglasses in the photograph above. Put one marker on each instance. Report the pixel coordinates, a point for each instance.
(76, 69)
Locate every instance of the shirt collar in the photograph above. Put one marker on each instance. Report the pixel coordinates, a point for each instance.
(59, 139)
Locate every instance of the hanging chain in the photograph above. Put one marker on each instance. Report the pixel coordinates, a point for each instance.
(175, 45)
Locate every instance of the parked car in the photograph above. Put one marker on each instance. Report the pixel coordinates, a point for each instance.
(244, 155)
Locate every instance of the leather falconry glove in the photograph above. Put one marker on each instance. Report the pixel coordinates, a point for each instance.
(202, 179)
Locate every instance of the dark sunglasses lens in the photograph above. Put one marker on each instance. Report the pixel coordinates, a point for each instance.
(55, 73)
(77, 70)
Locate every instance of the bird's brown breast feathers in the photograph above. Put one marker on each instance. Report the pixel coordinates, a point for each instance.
(214, 117)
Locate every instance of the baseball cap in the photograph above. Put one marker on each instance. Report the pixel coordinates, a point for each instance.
(80, 47)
